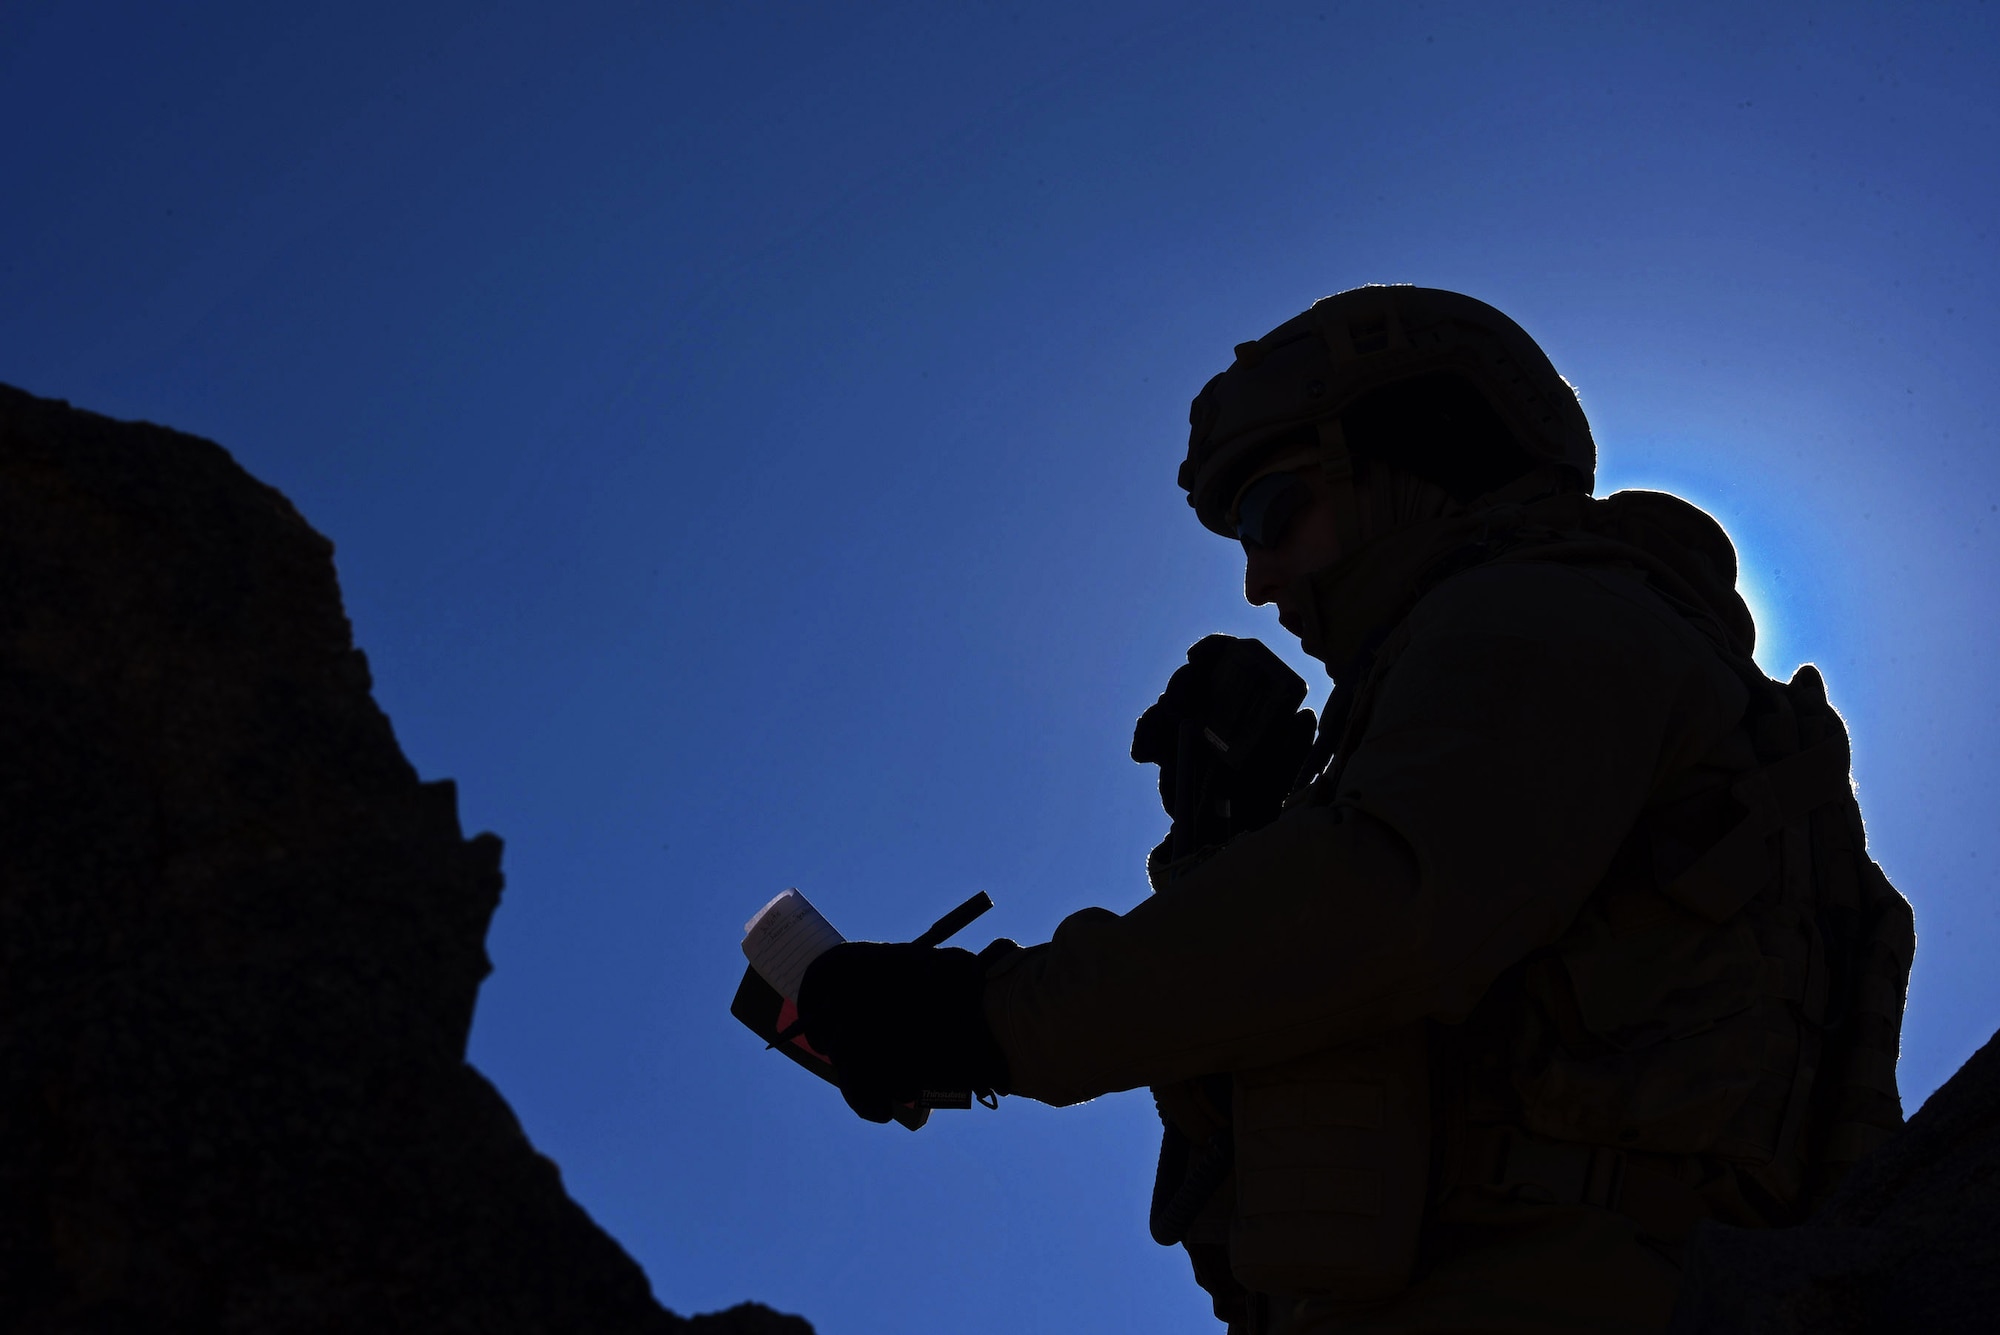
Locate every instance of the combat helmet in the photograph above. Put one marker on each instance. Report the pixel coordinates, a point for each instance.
(1433, 381)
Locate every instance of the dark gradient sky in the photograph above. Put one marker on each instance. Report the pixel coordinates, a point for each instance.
(749, 439)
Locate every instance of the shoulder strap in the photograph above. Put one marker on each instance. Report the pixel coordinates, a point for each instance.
(1726, 877)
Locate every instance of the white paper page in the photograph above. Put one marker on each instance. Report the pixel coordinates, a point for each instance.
(784, 937)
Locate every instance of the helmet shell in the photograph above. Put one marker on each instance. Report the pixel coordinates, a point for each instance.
(1315, 365)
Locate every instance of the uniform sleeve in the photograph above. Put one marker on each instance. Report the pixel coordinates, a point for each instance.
(1512, 745)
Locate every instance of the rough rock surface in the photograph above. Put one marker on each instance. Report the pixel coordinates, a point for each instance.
(240, 942)
(1909, 1242)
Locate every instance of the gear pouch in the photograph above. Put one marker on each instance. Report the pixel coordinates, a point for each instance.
(1332, 1161)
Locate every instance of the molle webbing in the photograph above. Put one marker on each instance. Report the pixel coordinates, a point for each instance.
(1734, 869)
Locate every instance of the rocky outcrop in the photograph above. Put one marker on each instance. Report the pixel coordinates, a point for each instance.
(1910, 1241)
(240, 942)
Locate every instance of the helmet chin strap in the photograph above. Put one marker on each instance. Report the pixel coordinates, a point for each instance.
(1336, 466)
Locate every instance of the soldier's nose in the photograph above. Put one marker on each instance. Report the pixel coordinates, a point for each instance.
(1262, 577)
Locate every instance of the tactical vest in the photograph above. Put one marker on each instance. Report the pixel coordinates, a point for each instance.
(1714, 1036)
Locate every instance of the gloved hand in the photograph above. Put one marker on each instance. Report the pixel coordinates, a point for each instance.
(1229, 738)
(898, 1019)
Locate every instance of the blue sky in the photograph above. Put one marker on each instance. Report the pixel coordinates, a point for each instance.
(748, 434)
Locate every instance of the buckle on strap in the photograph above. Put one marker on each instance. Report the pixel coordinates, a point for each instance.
(1556, 1172)
(1551, 1172)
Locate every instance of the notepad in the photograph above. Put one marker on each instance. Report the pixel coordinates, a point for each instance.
(783, 938)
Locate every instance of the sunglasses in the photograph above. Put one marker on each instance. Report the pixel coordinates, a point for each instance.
(1268, 507)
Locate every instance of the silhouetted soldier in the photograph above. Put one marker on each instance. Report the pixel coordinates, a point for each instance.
(1558, 939)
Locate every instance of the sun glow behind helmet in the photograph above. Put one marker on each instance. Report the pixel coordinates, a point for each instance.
(1432, 381)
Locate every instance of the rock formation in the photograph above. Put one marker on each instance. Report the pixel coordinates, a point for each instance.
(1910, 1241)
(240, 942)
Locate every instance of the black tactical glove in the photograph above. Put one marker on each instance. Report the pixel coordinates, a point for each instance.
(1229, 738)
(897, 1020)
